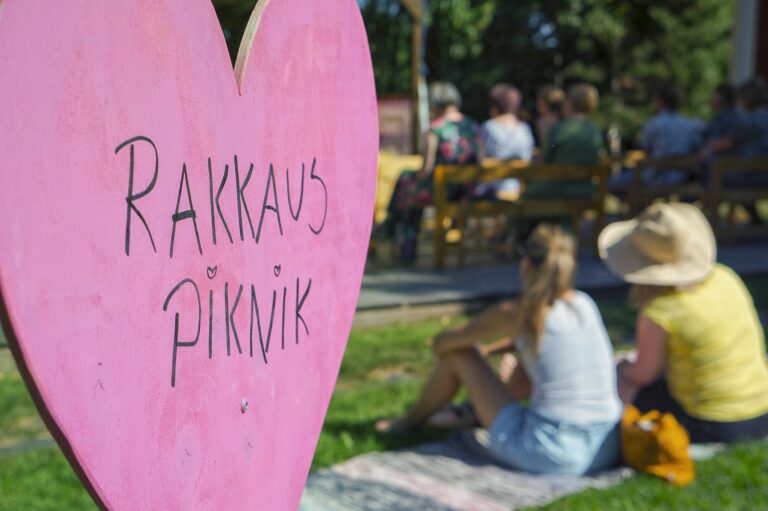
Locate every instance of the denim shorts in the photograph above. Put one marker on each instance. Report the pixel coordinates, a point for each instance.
(528, 441)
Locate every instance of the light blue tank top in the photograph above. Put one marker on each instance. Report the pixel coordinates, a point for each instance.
(574, 374)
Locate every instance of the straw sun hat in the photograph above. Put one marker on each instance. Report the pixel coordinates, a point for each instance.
(666, 245)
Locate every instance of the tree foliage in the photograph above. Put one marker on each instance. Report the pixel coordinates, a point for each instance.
(625, 47)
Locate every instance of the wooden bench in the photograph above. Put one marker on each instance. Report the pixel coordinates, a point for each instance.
(641, 194)
(720, 194)
(447, 176)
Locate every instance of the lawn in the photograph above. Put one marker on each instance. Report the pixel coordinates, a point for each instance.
(381, 373)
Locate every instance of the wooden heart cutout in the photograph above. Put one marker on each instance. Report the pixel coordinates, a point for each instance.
(181, 247)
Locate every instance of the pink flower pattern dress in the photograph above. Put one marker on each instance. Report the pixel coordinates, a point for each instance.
(458, 143)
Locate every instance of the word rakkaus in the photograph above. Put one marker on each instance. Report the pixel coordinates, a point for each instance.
(239, 186)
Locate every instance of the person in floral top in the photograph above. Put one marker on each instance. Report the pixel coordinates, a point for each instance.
(452, 138)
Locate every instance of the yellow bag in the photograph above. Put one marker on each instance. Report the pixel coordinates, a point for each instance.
(656, 443)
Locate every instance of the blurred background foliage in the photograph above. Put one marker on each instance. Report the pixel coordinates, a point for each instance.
(626, 48)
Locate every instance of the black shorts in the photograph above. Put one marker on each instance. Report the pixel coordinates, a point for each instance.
(657, 397)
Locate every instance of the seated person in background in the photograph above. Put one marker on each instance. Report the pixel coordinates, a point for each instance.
(668, 134)
(700, 346)
(505, 137)
(746, 137)
(751, 138)
(452, 138)
(566, 371)
(717, 135)
(574, 141)
(549, 105)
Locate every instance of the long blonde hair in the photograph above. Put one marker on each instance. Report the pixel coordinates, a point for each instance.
(551, 256)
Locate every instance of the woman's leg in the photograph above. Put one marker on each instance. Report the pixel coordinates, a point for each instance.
(486, 392)
(396, 205)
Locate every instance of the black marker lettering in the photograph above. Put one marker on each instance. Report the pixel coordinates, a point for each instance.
(228, 313)
(186, 214)
(299, 305)
(301, 193)
(132, 197)
(265, 206)
(216, 201)
(176, 343)
(255, 308)
(282, 337)
(210, 323)
(241, 204)
(325, 203)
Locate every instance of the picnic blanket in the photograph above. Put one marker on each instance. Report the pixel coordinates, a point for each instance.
(455, 474)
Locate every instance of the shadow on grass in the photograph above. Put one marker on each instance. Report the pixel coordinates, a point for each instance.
(388, 441)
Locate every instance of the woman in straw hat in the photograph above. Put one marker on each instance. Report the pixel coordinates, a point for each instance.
(700, 346)
(566, 371)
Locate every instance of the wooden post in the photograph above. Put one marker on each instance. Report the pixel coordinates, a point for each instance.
(416, 10)
(602, 192)
(440, 201)
(415, 82)
(713, 196)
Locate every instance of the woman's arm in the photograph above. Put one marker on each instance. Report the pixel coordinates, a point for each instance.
(519, 384)
(718, 145)
(651, 355)
(430, 155)
(480, 142)
(504, 345)
(493, 322)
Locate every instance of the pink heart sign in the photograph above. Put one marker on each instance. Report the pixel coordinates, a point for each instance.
(181, 247)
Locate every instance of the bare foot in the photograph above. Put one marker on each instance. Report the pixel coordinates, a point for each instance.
(454, 417)
(393, 426)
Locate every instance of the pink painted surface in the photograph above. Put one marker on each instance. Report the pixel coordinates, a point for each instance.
(81, 77)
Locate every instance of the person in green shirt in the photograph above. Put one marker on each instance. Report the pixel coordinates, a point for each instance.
(573, 141)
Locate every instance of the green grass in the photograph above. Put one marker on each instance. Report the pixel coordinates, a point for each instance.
(18, 418)
(40, 480)
(381, 374)
(734, 480)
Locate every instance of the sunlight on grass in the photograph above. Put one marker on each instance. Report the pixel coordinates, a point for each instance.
(381, 374)
(40, 480)
(734, 480)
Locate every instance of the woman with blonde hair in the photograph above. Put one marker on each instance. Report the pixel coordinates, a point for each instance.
(566, 370)
(700, 346)
(549, 105)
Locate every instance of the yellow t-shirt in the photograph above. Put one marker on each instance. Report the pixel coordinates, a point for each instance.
(716, 359)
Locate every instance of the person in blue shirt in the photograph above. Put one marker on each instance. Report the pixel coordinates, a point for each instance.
(723, 105)
(667, 134)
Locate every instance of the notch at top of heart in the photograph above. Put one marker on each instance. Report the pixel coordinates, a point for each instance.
(244, 51)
